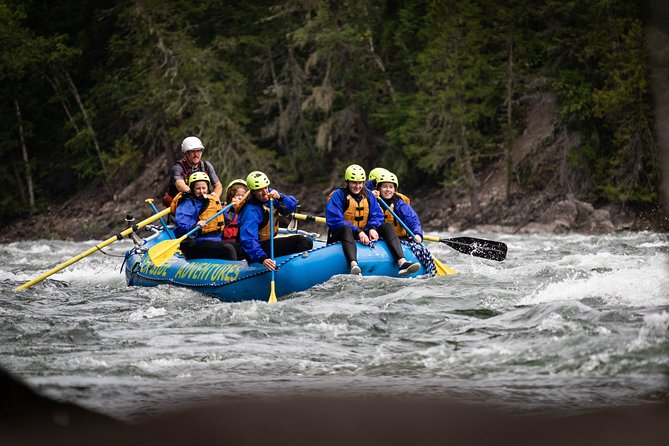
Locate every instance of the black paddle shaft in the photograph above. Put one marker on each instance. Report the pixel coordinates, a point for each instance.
(487, 249)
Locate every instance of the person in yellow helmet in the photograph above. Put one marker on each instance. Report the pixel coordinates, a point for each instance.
(191, 162)
(386, 185)
(194, 208)
(353, 214)
(255, 232)
(234, 194)
(373, 175)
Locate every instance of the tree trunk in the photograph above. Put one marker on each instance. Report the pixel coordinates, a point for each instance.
(279, 101)
(77, 97)
(658, 41)
(26, 161)
(470, 178)
(59, 95)
(508, 162)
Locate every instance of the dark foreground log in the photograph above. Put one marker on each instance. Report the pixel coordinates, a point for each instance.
(29, 419)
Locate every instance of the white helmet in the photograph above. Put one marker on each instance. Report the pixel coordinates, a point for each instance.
(191, 143)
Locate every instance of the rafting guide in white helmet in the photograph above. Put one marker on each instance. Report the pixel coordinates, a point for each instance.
(190, 162)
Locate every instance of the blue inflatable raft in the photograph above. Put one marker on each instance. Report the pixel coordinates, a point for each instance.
(235, 281)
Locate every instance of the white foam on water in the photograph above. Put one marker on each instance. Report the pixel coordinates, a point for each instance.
(655, 330)
(555, 323)
(636, 282)
(147, 313)
(91, 273)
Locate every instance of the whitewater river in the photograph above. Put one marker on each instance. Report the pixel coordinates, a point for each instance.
(565, 323)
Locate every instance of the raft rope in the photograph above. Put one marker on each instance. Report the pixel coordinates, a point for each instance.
(423, 255)
(110, 255)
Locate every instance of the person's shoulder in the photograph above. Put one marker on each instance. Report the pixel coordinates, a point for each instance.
(209, 166)
(178, 166)
(338, 193)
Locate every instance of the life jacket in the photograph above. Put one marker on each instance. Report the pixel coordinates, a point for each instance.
(171, 191)
(210, 207)
(406, 199)
(231, 230)
(388, 217)
(355, 212)
(263, 226)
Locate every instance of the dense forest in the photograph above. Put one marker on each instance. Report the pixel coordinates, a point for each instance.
(431, 89)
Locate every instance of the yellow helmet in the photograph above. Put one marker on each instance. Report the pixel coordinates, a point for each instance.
(236, 181)
(355, 173)
(387, 177)
(198, 176)
(375, 172)
(257, 180)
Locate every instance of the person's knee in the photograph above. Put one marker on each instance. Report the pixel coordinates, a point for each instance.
(230, 252)
(305, 243)
(386, 227)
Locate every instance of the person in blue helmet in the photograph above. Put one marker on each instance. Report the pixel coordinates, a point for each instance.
(254, 223)
(194, 208)
(353, 214)
(386, 185)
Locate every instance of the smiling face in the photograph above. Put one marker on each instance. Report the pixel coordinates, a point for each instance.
(200, 188)
(356, 186)
(387, 190)
(194, 156)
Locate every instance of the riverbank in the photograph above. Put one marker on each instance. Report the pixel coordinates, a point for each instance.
(88, 215)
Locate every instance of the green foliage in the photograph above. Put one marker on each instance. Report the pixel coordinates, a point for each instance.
(303, 88)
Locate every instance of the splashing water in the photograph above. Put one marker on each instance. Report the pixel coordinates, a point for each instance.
(571, 322)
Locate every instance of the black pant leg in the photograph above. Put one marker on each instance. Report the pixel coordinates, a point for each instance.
(388, 234)
(284, 246)
(345, 236)
(210, 249)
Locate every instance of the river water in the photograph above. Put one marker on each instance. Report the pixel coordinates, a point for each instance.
(564, 323)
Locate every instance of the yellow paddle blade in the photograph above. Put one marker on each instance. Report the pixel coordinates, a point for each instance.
(442, 269)
(272, 293)
(164, 250)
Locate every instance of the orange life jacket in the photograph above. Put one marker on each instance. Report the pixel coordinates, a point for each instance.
(211, 206)
(388, 217)
(264, 232)
(355, 212)
(403, 197)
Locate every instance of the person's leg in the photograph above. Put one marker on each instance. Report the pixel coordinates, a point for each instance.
(345, 236)
(211, 249)
(292, 244)
(387, 233)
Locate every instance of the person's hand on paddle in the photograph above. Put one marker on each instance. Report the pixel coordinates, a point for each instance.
(373, 235)
(417, 238)
(274, 194)
(269, 264)
(202, 223)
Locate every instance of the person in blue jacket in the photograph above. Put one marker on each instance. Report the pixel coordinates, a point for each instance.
(254, 223)
(194, 208)
(353, 214)
(373, 175)
(387, 184)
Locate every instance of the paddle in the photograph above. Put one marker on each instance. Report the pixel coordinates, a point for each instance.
(272, 294)
(477, 247)
(442, 270)
(90, 251)
(164, 250)
(162, 222)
